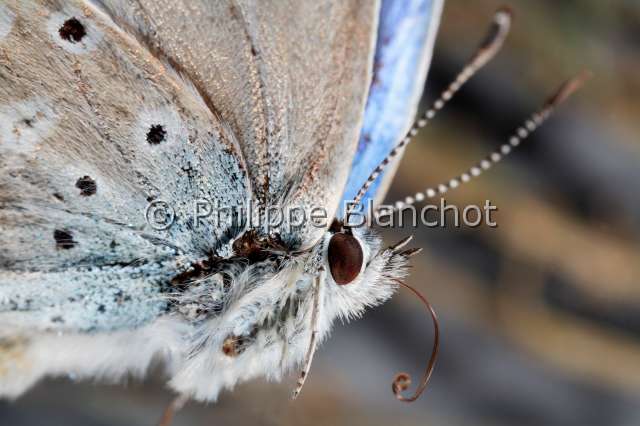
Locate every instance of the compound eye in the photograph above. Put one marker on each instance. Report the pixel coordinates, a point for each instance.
(345, 258)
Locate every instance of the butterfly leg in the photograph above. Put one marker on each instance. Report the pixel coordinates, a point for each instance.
(313, 342)
(16, 375)
(172, 408)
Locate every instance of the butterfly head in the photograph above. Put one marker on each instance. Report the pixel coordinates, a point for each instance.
(361, 273)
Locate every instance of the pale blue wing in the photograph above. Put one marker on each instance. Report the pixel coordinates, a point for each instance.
(92, 132)
(406, 35)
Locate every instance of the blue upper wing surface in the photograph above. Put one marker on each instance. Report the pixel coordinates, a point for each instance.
(406, 35)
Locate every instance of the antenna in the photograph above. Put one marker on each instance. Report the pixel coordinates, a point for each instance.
(531, 125)
(483, 54)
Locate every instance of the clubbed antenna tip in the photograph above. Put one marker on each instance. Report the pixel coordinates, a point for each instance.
(568, 88)
(496, 37)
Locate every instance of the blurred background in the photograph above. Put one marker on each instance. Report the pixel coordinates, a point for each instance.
(540, 318)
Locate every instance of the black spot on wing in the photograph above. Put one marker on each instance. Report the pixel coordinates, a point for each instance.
(87, 186)
(64, 239)
(72, 31)
(156, 134)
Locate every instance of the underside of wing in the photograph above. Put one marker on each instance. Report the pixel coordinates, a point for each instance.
(117, 114)
(290, 77)
(94, 127)
(406, 36)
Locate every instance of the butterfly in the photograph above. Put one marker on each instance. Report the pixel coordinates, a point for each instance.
(108, 107)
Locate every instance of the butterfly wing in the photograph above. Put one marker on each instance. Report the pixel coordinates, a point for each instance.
(94, 127)
(290, 77)
(406, 35)
(106, 107)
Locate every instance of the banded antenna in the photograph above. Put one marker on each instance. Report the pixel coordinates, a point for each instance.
(530, 125)
(484, 53)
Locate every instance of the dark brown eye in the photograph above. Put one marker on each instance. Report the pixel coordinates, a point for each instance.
(345, 258)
